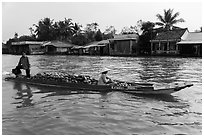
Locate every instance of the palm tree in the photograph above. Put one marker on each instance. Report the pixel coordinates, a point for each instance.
(44, 29)
(77, 29)
(169, 19)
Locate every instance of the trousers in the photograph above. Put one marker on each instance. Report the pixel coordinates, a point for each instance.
(27, 71)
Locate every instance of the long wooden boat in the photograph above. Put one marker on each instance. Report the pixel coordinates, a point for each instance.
(135, 88)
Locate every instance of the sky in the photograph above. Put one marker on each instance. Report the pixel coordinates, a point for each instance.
(20, 16)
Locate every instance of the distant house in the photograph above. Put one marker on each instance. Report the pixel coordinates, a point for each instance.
(5, 49)
(164, 43)
(191, 45)
(124, 45)
(98, 48)
(57, 47)
(29, 47)
(77, 50)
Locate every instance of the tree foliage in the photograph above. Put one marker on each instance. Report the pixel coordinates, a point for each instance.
(145, 37)
(168, 19)
(98, 36)
(79, 39)
(136, 29)
(44, 29)
(109, 32)
(47, 29)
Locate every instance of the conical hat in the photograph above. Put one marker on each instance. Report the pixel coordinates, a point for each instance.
(105, 69)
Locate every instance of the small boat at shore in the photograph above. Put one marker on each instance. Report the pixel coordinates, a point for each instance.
(86, 83)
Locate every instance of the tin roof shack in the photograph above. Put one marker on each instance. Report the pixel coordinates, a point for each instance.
(124, 45)
(77, 50)
(164, 43)
(98, 48)
(29, 47)
(191, 45)
(58, 47)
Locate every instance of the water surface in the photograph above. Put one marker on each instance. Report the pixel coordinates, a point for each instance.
(61, 111)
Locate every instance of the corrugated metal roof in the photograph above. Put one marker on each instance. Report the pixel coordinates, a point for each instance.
(189, 42)
(77, 47)
(103, 42)
(59, 44)
(192, 38)
(94, 45)
(126, 37)
(97, 44)
(27, 43)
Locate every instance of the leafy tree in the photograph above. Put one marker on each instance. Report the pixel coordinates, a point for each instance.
(69, 29)
(147, 26)
(92, 27)
(8, 43)
(145, 37)
(26, 38)
(98, 36)
(79, 39)
(32, 32)
(90, 31)
(77, 29)
(109, 32)
(63, 30)
(132, 29)
(168, 19)
(16, 35)
(44, 29)
(128, 30)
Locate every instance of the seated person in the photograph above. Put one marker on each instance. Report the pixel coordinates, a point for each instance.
(104, 80)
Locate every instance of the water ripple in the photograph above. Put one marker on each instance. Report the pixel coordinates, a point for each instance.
(55, 111)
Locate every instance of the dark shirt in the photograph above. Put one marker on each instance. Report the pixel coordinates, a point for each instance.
(24, 62)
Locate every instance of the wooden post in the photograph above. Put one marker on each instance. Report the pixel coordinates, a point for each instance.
(177, 51)
(130, 47)
(168, 45)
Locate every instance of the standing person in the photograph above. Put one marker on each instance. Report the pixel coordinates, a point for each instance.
(104, 80)
(24, 64)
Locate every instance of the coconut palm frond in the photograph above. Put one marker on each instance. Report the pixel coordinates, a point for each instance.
(159, 24)
(177, 21)
(160, 17)
(167, 15)
(174, 16)
(169, 19)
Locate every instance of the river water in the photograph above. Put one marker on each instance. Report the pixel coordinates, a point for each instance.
(54, 111)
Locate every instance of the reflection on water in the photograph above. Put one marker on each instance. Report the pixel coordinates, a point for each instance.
(23, 94)
(161, 69)
(165, 98)
(45, 110)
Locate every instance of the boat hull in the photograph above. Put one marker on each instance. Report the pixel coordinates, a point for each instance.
(139, 89)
